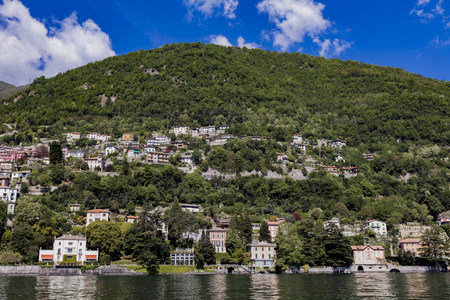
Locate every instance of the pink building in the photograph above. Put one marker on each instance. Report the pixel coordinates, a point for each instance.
(96, 215)
(218, 237)
(273, 227)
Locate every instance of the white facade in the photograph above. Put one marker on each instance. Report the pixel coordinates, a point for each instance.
(158, 141)
(368, 255)
(69, 246)
(379, 227)
(94, 162)
(180, 130)
(98, 137)
(297, 139)
(193, 208)
(9, 195)
(96, 215)
(111, 149)
(76, 154)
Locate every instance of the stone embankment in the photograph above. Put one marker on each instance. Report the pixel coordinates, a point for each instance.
(387, 268)
(63, 271)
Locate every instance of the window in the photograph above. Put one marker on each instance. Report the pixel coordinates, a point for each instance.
(256, 249)
(70, 243)
(262, 256)
(256, 256)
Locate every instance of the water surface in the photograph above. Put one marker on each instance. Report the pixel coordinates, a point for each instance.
(257, 286)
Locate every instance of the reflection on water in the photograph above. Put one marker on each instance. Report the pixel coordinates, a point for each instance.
(373, 285)
(217, 287)
(264, 286)
(65, 287)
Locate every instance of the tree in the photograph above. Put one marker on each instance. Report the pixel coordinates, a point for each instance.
(204, 251)
(56, 155)
(105, 236)
(244, 228)
(337, 248)
(433, 244)
(264, 233)
(146, 244)
(178, 222)
(233, 242)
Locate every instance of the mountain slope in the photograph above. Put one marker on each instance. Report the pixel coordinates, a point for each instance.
(257, 92)
(7, 90)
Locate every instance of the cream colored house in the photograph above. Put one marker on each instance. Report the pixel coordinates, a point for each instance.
(262, 254)
(368, 255)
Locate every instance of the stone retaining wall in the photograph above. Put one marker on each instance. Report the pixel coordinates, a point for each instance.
(69, 271)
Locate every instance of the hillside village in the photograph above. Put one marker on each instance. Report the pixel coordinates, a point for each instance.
(34, 174)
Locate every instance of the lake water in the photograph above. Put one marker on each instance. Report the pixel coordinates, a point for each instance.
(258, 286)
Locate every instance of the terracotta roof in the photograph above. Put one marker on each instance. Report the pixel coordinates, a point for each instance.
(44, 256)
(364, 247)
(132, 217)
(91, 256)
(98, 211)
(412, 240)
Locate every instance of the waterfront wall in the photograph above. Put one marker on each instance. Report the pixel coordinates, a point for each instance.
(68, 271)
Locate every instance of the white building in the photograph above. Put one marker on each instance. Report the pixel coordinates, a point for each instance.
(75, 154)
(9, 195)
(379, 227)
(223, 128)
(111, 149)
(95, 136)
(96, 215)
(297, 139)
(158, 141)
(94, 162)
(193, 208)
(74, 207)
(181, 130)
(73, 136)
(69, 247)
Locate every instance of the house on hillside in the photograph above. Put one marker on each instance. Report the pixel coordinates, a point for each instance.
(9, 195)
(368, 156)
(68, 248)
(223, 128)
(331, 169)
(262, 254)
(95, 162)
(158, 157)
(218, 237)
(413, 245)
(127, 137)
(193, 208)
(273, 227)
(337, 143)
(181, 130)
(132, 219)
(282, 157)
(350, 170)
(74, 207)
(379, 227)
(96, 215)
(297, 139)
(111, 149)
(444, 220)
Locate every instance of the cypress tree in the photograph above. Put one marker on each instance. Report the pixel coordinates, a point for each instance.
(264, 233)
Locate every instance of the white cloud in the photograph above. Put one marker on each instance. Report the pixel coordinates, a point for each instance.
(208, 7)
(294, 20)
(423, 2)
(29, 49)
(223, 41)
(438, 43)
(426, 14)
(327, 48)
(241, 43)
(220, 40)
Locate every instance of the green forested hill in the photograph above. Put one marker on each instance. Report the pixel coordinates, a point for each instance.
(257, 92)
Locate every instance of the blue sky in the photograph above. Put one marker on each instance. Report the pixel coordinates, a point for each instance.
(46, 37)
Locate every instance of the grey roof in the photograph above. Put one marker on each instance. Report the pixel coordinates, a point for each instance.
(71, 237)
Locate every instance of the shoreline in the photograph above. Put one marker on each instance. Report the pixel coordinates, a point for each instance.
(112, 270)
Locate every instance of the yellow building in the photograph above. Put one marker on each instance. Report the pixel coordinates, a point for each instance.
(128, 137)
